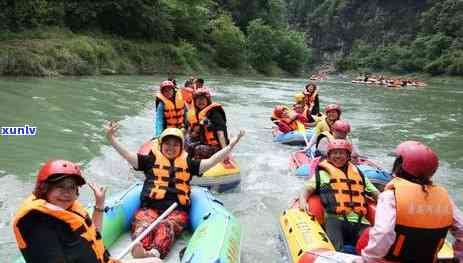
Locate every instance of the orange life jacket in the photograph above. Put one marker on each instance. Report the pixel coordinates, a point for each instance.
(173, 113)
(162, 169)
(291, 123)
(195, 119)
(76, 217)
(348, 190)
(422, 221)
(187, 94)
(309, 100)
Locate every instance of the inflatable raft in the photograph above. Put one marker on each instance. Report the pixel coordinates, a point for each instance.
(214, 235)
(296, 137)
(306, 240)
(304, 166)
(222, 177)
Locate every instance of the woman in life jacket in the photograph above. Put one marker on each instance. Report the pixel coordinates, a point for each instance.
(311, 101)
(52, 225)
(207, 132)
(299, 104)
(168, 170)
(413, 215)
(342, 189)
(286, 119)
(170, 110)
(324, 123)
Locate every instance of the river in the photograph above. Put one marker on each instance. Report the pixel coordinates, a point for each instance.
(69, 114)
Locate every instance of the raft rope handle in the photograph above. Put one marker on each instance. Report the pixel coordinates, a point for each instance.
(118, 202)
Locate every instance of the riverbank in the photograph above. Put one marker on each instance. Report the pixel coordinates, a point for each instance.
(60, 52)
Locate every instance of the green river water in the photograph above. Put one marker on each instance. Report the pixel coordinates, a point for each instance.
(69, 114)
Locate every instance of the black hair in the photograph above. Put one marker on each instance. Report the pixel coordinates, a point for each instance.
(400, 172)
(42, 189)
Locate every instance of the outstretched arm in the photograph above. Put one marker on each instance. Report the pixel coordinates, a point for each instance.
(220, 155)
(111, 129)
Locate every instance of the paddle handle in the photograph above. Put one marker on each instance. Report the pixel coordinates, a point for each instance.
(146, 231)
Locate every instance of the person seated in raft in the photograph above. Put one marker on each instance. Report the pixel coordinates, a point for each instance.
(339, 130)
(207, 130)
(324, 123)
(299, 104)
(413, 215)
(286, 119)
(170, 110)
(342, 189)
(52, 225)
(168, 170)
(312, 104)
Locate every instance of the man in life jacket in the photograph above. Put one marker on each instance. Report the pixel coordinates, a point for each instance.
(170, 111)
(286, 119)
(311, 101)
(207, 125)
(53, 226)
(324, 123)
(413, 215)
(168, 170)
(342, 189)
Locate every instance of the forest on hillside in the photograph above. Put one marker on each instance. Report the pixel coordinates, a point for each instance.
(266, 36)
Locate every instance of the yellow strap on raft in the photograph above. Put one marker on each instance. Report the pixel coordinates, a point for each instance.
(303, 233)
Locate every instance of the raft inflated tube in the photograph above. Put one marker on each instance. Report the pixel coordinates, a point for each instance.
(307, 242)
(293, 137)
(117, 218)
(217, 233)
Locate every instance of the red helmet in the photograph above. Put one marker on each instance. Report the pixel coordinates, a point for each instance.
(278, 110)
(331, 107)
(341, 126)
(340, 144)
(62, 168)
(417, 158)
(167, 84)
(204, 91)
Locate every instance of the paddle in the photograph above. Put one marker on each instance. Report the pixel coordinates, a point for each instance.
(146, 231)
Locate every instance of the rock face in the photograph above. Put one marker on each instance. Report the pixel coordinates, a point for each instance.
(332, 26)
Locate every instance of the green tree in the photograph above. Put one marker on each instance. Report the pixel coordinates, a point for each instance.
(261, 44)
(228, 41)
(293, 52)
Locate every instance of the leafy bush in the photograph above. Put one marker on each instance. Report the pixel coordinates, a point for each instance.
(229, 42)
(261, 45)
(293, 52)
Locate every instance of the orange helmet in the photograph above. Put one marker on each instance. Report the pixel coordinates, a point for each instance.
(339, 144)
(417, 159)
(55, 170)
(278, 110)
